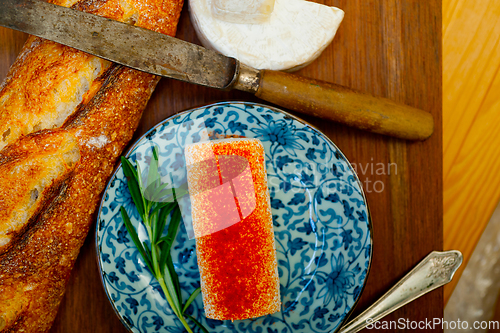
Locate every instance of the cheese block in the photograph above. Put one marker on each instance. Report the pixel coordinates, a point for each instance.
(238, 267)
(295, 34)
(242, 11)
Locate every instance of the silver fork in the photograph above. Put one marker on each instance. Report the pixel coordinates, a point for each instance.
(434, 271)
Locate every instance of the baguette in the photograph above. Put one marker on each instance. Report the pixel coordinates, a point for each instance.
(48, 81)
(37, 165)
(77, 97)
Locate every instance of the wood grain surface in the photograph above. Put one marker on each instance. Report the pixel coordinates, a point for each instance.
(471, 103)
(387, 48)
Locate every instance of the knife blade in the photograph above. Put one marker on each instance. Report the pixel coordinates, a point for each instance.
(158, 54)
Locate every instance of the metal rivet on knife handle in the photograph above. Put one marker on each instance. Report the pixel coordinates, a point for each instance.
(248, 79)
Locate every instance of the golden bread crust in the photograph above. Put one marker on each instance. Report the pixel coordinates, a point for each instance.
(59, 78)
(31, 171)
(41, 262)
(43, 94)
(35, 270)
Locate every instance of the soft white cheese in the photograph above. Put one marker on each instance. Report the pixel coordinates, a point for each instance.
(295, 34)
(242, 11)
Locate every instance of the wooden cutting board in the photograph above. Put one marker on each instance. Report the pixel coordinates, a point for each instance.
(388, 48)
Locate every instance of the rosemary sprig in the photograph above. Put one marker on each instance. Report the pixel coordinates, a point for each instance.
(155, 203)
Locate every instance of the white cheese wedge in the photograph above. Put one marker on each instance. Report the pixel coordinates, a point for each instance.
(243, 11)
(295, 34)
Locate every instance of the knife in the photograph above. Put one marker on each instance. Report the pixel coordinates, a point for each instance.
(155, 53)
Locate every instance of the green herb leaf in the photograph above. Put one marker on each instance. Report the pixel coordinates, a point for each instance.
(173, 227)
(156, 252)
(148, 253)
(153, 174)
(130, 169)
(160, 205)
(172, 290)
(153, 220)
(155, 153)
(197, 323)
(181, 191)
(191, 298)
(155, 194)
(175, 279)
(164, 210)
(154, 188)
(141, 186)
(135, 238)
(168, 240)
(133, 186)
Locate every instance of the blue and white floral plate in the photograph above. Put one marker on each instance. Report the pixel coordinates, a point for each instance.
(321, 221)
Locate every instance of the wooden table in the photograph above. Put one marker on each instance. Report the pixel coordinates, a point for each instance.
(390, 49)
(471, 144)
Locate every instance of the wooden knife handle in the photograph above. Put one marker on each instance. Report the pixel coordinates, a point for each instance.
(344, 105)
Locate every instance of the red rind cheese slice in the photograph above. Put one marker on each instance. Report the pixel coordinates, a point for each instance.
(237, 260)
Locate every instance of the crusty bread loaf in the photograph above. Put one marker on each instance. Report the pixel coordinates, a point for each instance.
(237, 261)
(92, 103)
(30, 174)
(43, 94)
(48, 81)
